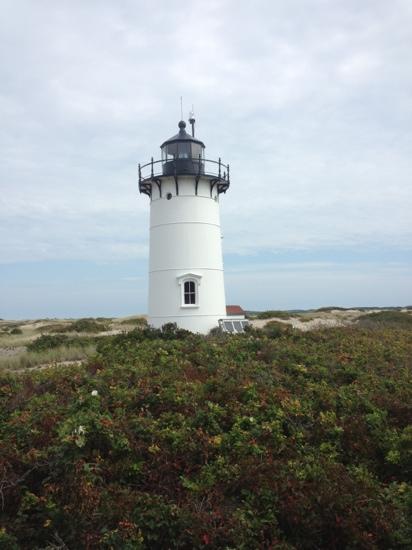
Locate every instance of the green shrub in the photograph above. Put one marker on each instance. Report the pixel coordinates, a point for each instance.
(47, 357)
(390, 319)
(274, 329)
(47, 341)
(328, 309)
(273, 313)
(88, 325)
(138, 321)
(301, 440)
(51, 341)
(81, 325)
(54, 328)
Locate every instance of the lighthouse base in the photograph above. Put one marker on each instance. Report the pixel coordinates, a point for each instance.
(194, 323)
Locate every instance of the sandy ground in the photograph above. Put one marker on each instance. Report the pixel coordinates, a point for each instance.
(313, 320)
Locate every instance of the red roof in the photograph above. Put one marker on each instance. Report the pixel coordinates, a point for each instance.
(234, 310)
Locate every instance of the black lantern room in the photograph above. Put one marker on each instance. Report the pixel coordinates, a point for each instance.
(183, 155)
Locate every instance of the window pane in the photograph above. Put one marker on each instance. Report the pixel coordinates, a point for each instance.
(228, 326)
(238, 326)
(189, 292)
(196, 150)
(183, 150)
(171, 149)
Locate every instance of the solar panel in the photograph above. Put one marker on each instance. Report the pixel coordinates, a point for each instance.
(237, 326)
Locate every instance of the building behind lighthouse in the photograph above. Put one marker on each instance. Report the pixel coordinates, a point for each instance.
(186, 281)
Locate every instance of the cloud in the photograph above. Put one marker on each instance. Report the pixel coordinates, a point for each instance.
(309, 102)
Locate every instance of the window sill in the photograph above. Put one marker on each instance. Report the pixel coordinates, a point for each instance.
(189, 306)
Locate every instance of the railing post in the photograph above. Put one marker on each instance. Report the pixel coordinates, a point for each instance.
(140, 173)
(152, 166)
(220, 163)
(228, 176)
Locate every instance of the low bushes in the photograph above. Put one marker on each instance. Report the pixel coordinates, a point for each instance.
(166, 439)
(136, 321)
(46, 357)
(270, 314)
(80, 325)
(389, 319)
(52, 341)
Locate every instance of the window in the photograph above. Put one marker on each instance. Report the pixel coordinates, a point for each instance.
(197, 150)
(189, 289)
(189, 292)
(183, 150)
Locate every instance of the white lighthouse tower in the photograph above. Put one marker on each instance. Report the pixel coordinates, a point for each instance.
(186, 283)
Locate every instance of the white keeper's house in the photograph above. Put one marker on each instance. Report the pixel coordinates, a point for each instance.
(186, 284)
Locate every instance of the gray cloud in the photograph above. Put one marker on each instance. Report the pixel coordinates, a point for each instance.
(310, 102)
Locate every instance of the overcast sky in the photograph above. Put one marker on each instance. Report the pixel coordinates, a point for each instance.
(310, 101)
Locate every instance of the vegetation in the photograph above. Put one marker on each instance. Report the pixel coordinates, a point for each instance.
(87, 324)
(164, 439)
(270, 314)
(46, 357)
(330, 308)
(53, 328)
(51, 341)
(393, 319)
(135, 321)
(10, 329)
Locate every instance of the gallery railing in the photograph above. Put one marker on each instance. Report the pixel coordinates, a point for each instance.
(215, 171)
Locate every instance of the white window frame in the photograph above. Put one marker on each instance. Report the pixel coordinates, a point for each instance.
(185, 278)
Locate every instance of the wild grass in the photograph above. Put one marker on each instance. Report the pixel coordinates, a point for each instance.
(63, 326)
(9, 340)
(86, 325)
(328, 309)
(270, 314)
(386, 319)
(30, 359)
(134, 321)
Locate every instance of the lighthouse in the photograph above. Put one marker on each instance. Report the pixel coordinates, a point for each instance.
(186, 283)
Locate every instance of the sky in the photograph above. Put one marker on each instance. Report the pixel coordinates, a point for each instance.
(309, 101)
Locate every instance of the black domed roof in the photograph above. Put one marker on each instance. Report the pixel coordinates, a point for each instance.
(182, 136)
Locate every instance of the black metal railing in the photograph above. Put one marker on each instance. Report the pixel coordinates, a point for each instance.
(217, 172)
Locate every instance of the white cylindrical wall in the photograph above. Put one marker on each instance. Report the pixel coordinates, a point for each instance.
(185, 242)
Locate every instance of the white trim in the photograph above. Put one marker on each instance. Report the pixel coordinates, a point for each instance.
(180, 269)
(184, 223)
(188, 275)
(185, 278)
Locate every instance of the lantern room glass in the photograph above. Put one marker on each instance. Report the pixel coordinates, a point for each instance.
(182, 150)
